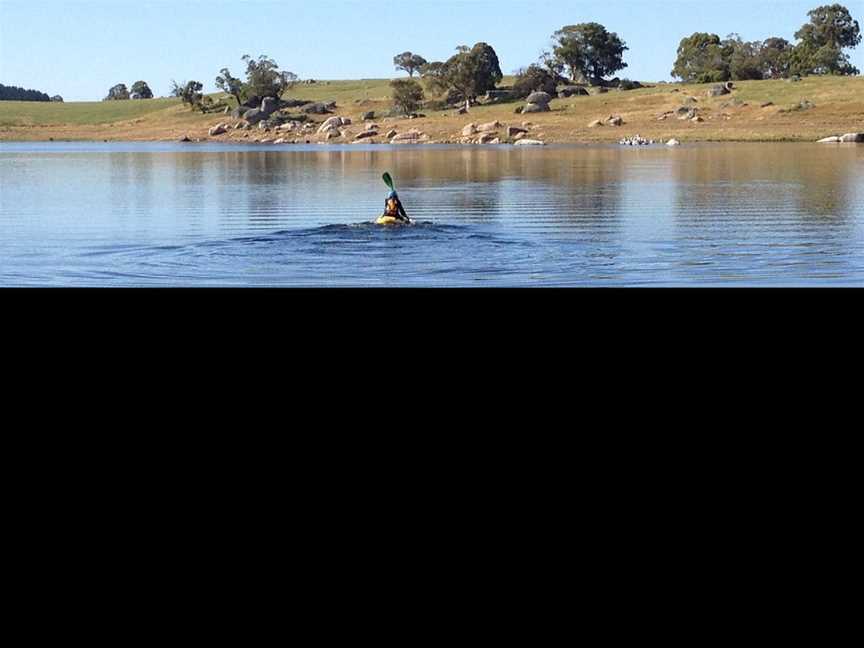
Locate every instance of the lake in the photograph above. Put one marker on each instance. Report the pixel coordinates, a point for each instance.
(164, 214)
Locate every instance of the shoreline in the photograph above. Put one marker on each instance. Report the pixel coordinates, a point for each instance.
(772, 111)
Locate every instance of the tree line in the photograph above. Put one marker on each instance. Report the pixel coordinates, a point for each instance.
(705, 58)
(586, 53)
(14, 93)
(589, 53)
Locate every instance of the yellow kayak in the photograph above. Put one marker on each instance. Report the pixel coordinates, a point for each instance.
(389, 220)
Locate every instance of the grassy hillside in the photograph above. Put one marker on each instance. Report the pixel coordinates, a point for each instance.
(39, 113)
(743, 116)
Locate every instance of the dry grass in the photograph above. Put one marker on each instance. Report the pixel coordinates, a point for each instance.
(839, 108)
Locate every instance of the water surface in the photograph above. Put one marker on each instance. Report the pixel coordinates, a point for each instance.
(130, 214)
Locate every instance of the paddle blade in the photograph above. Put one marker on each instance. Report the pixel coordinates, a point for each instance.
(389, 181)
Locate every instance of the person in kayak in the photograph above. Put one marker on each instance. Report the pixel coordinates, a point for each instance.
(393, 208)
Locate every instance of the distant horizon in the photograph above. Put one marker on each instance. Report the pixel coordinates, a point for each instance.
(78, 49)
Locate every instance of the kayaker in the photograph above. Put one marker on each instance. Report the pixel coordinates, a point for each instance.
(393, 208)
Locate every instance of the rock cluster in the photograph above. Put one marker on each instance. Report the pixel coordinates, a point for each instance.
(636, 140)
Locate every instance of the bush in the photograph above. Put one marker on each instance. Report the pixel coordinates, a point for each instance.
(534, 79)
(627, 84)
(407, 95)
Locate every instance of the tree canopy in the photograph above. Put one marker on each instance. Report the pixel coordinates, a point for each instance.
(702, 58)
(140, 90)
(407, 95)
(264, 79)
(534, 78)
(118, 93)
(189, 93)
(230, 85)
(590, 50)
(822, 40)
(14, 93)
(409, 62)
(469, 73)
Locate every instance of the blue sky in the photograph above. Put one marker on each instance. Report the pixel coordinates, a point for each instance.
(80, 48)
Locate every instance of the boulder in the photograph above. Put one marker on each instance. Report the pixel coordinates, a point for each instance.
(269, 105)
(333, 122)
(489, 127)
(539, 98)
(185, 138)
(519, 136)
(219, 129)
(410, 136)
(673, 142)
(717, 91)
(486, 138)
(529, 142)
(333, 134)
(493, 96)
(369, 115)
(495, 141)
(513, 131)
(469, 130)
(295, 103)
(366, 134)
(829, 140)
(615, 120)
(697, 118)
(391, 134)
(254, 116)
(572, 91)
(279, 141)
(852, 138)
(535, 108)
(317, 108)
(595, 124)
(239, 125)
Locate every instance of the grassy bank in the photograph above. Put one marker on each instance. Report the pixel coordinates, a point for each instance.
(742, 116)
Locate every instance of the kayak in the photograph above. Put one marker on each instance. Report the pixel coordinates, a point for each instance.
(390, 220)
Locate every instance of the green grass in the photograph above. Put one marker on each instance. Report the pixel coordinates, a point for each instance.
(39, 113)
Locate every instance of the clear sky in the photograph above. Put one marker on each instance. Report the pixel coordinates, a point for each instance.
(80, 48)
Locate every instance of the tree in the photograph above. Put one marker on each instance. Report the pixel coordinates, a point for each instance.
(407, 95)
(589, 49)
(745, 58)
(534, 79)
(776, 57)
(469, 73)
(831, 29)
(190, 94)
(117, 93)
(264, 79)
(14, 93)
(702, 58)
(140, 90)
(230, 85)
(409, 62)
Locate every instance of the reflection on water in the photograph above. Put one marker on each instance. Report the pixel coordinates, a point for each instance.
(165, 214)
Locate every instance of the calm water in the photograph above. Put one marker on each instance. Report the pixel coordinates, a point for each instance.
(187, 215)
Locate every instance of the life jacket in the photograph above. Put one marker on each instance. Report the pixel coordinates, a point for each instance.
(391, 208)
